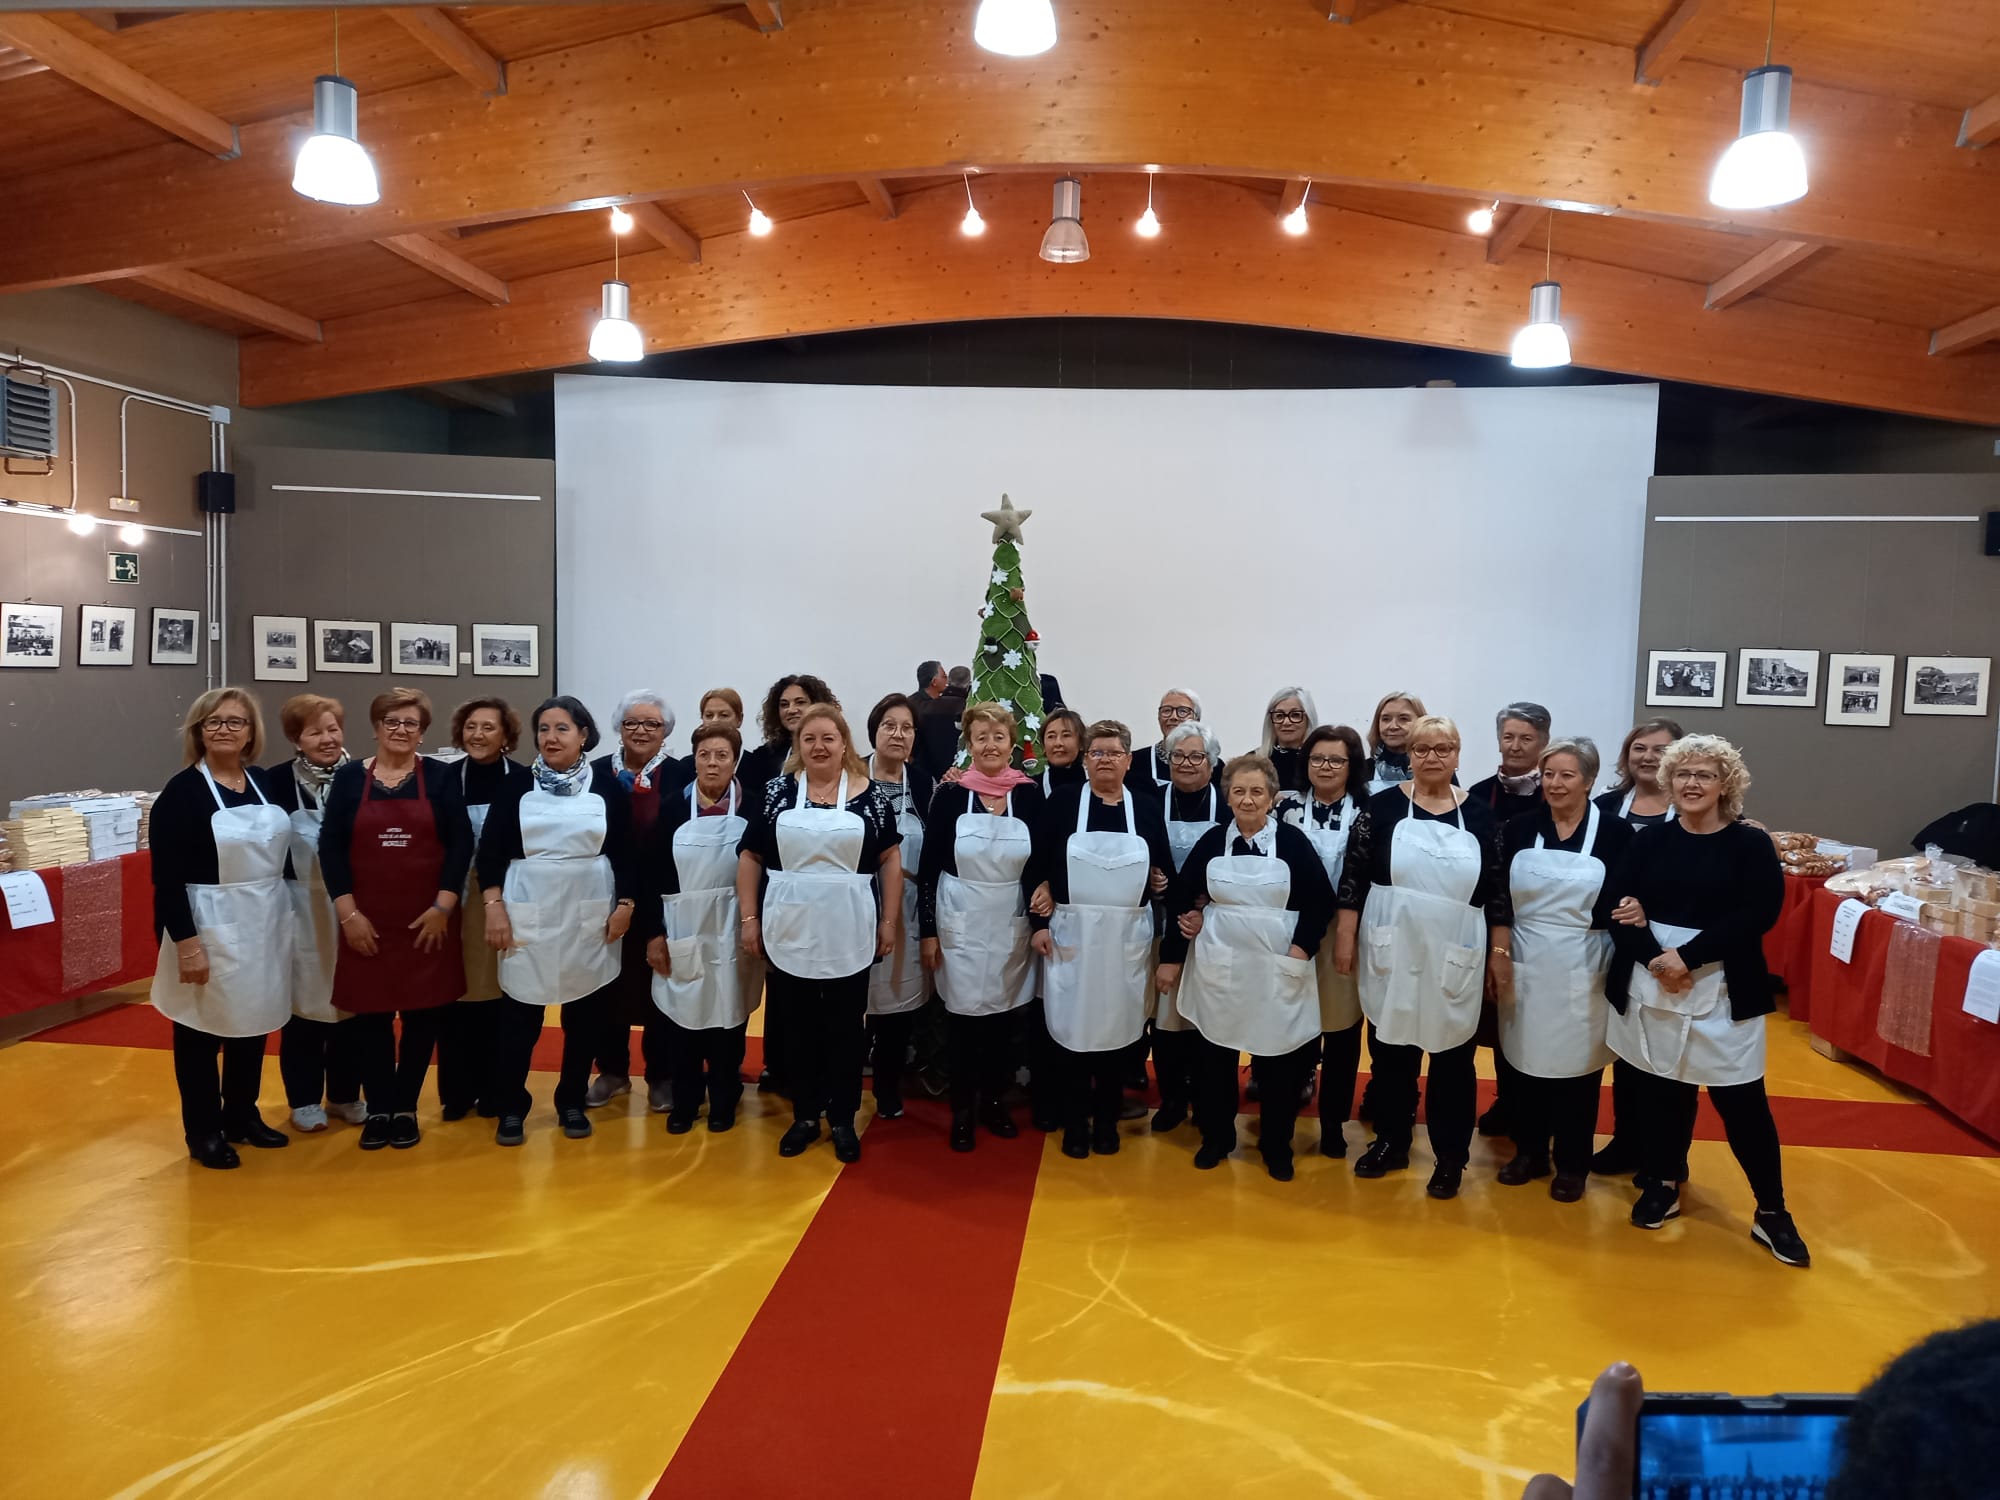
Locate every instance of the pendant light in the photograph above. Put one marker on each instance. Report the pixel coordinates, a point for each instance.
(132, 534)
(621, 222)
(760, 222)
(1542, 344)
(1148, 227)
(331, 166)
(1015, 28)
(81, 524)
(1480, 220)
(616, 338)
(971, 226)
(1763, 166)
(1295, 222)
(1065, 242)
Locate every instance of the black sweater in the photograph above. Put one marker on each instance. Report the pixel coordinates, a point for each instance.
(1291, 764)
(1505, 806)
(482, 783)
(500, 844)
(343, 805)
(1054, 778)
(183, 843)
(1610, 802)
(941, 843)
(1311, 895)
(1728, 883)
(1367, 862)
(1614, 836)
(1149, 769)
(659, 876)
(1050, 859)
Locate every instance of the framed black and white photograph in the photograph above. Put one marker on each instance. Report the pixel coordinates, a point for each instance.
(425, 650)
(278, 648)
(347, 645)
(1685, 679)
(104, 635)
(176, 638)
(1860, 689)
(1938, 684)
(1776, 678)
(30, 635)
(506, 651)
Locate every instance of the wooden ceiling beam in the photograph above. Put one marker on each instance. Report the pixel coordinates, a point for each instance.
(70, 56)
(1981, 125)
(231, 303)
(428, 255)
(18, 65)
(877, 193)
(1759, 271)
(1957, 337)
(453, 46)
(656, 222)
(1668, 42)
(1513, 227)
(766, 15)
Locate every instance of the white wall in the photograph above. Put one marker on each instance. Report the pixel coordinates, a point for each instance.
(1472, 545)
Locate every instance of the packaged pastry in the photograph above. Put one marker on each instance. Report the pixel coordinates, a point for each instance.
(1976, 883)
(1975, 908)
(1939, 919)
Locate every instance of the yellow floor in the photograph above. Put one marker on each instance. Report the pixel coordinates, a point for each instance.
(462, 1320)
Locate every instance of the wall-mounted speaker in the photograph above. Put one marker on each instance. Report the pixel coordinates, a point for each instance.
(215, 492)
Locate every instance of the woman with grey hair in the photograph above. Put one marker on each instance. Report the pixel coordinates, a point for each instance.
(644, 721)
(1150, 772)
(1551, 988)
(1523, 731)
(1193, 805)
(1288, 719)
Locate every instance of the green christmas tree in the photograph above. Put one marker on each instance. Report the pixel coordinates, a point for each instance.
(1004, 670)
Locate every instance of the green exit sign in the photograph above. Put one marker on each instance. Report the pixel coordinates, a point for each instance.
(122, 567)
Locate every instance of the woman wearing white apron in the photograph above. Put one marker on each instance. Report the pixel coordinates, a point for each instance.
(1423, 904)
(1690, 989)
(1389, 739)
(312, 1058)
(559, 882)
(1193, 804)
(807, 886)
(1551, 995)
(1150, 771)
(1100, 856)
(703, 985)
(487, 730)
(898, 985)
(972, 912)
(1248, 983)
(225, 972)
(1325, 814)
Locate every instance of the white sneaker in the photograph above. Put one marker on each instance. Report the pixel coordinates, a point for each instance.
(309, 1119)
(604, 1088)
(355, 1113)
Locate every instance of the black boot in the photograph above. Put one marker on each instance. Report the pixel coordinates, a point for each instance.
(961, 1130)
(998, 1120)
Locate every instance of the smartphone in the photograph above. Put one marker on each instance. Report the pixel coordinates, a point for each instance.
(1701, 1445)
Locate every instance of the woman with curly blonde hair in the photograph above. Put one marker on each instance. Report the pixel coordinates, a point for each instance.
(1689, 988)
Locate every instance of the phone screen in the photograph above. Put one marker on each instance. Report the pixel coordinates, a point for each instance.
(1739, 1455)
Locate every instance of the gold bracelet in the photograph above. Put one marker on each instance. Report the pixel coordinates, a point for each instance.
(1502, 952)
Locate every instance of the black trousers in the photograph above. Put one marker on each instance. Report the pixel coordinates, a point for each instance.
(1556, 1118)
(1280, 1080)
(889, 1051)
(1451, 1101)
(1339, 1063)
(705, 1062)
(1173, 1064)
(981, 1058)
(780, 1032)
(1665, 1115)
(828, 1042)
(1094, 1084)
(468, 1052)
(392, 1069)
(315, 1061)
(631, 1004)
(1624, 1105)
(210, 1105)
(1506, 1085)
(582, 1028)
(1047, 1072)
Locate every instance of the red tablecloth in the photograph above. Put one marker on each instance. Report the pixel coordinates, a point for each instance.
(31, 960)
(1962, 1074)
(1788, 946)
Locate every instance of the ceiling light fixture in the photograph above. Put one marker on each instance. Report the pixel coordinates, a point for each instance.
(132, 534)
(1148, 227)
(81, 524)
(1480, 220)
(1015, 28)
(1542, 344)
(331, 166)
(621, 222)
(971, 226)
(1763, 166)
(1065, 243)
(760, 222)
(616, 339)
(1295, 221)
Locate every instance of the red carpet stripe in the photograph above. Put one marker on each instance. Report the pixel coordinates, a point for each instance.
(870, 1365)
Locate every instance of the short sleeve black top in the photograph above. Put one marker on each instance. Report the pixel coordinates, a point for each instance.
(343, 805)
(1368, 846)
(1058, 821)
(1614, 835)
(183, 843)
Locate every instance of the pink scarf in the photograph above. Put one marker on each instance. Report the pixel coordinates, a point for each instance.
(992, 786)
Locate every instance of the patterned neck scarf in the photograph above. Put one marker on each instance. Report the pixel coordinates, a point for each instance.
(643, 777)
(316, 779)
(568, 783)
(1520, 786)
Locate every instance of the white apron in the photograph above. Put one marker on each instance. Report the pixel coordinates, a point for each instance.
(1095, 984)
(1162, 1010)
(1690, 1037)
(982, 918)
(1421, 967)
(711, 985)
(315, 928)
(244, 922)
(1339, 996)
(896, 984)
(1241, 987)
(819, 911)
(559, 895)
(1553, 1024)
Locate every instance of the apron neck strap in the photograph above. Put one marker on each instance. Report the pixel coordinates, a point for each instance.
(1236, 831)
(1457, 802)
(1589, 830)
(973, 805)
(1625, 807)
(694, 805)
(1083, 808)
(840, 798)
(216, 791)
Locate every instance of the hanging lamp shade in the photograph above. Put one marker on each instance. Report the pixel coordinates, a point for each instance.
(616, 339)
(1542, 344)
(1065, 243)
(1015, 28)
(1763, 166)
(331, 166)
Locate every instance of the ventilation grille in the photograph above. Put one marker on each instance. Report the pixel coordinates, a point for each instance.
(27, 417)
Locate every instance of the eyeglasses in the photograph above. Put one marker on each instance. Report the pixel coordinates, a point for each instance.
(633, 726)
(1104, 755)
(403, 726)
(1432, 752)
(1288, 716)
(1188, 760)
(218, 722)
(1327, 762)
(1696, 778)
(1169, 711)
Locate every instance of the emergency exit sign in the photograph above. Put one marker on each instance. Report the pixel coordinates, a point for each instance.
(122, 567)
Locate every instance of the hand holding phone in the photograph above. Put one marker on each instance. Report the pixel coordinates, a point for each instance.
(1607, 1442)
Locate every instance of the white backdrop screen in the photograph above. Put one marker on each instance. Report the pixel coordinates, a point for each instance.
(1474, 546)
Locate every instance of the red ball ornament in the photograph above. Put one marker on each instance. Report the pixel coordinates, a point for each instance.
(1032, 636)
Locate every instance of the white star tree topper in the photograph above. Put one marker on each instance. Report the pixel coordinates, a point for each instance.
(1006, 523)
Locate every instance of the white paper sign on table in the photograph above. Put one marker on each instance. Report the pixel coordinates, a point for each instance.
(27, 899)
(1846, 922)
(1896, 904)
(1982, 987)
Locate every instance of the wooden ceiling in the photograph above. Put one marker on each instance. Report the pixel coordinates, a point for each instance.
(150, 154)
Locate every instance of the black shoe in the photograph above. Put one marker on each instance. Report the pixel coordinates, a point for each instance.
(1445, 1181)
(1618, 1159)
(1170, 1116)
(1379, 1160)
(961, 1131)
(720, 1118)
(487, 1111)
(451, 1114)
(1656, 1205)
(679, 1124)
(766, 1083)
(403, 1132)
(1776, 1232)
(1332, 1140)
(1280, 1167)
(1496, 1121)
(888, 1105)
(512, 1131)
(1210, 1157)
(1104, 1139)
(1566, 1189)
(846, 1144)
(998, 1121)
(1525, 1167)
(214, 1152)
(575, 1123)
(803, 1133)
(375, 1133)
(1076, 1144)
(1047, 1121)
(252, 1131)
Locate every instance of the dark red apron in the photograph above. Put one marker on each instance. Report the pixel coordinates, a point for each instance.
(397, 857)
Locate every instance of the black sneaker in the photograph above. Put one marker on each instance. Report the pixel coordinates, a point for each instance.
(403, 1132)
(1618, 1159)
(1280, 1167)
(888, 1105)
(1076, 1145)
(1525, 1167)
(1445, 1182)
(1210, 1157)
(846, 1144)
(720, 1120)
(999, 1121)
(575, 1123)
(512, 1131)
(1776, 1232)
(1170, 1116)
(1566, 1188)
(1104, 1139)
(802, 1134)
(1656, 1205)
(679, 1124)
(1380, 1159)
(375, 1133)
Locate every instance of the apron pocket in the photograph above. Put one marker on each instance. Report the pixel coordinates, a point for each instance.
(1381, 945)
(1461, 968)
(786, 924)
(684, 958)
(224, 945)
(1295, 976)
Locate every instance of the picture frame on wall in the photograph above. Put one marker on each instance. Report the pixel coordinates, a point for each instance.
(176, 638)
(1685, 679)
(104, 635)
(1860, 690)
(423, 650)
(1954, 685)
(1777, 677)
(30, 635)
(506, 651)
(278, 648)
(347, 645)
